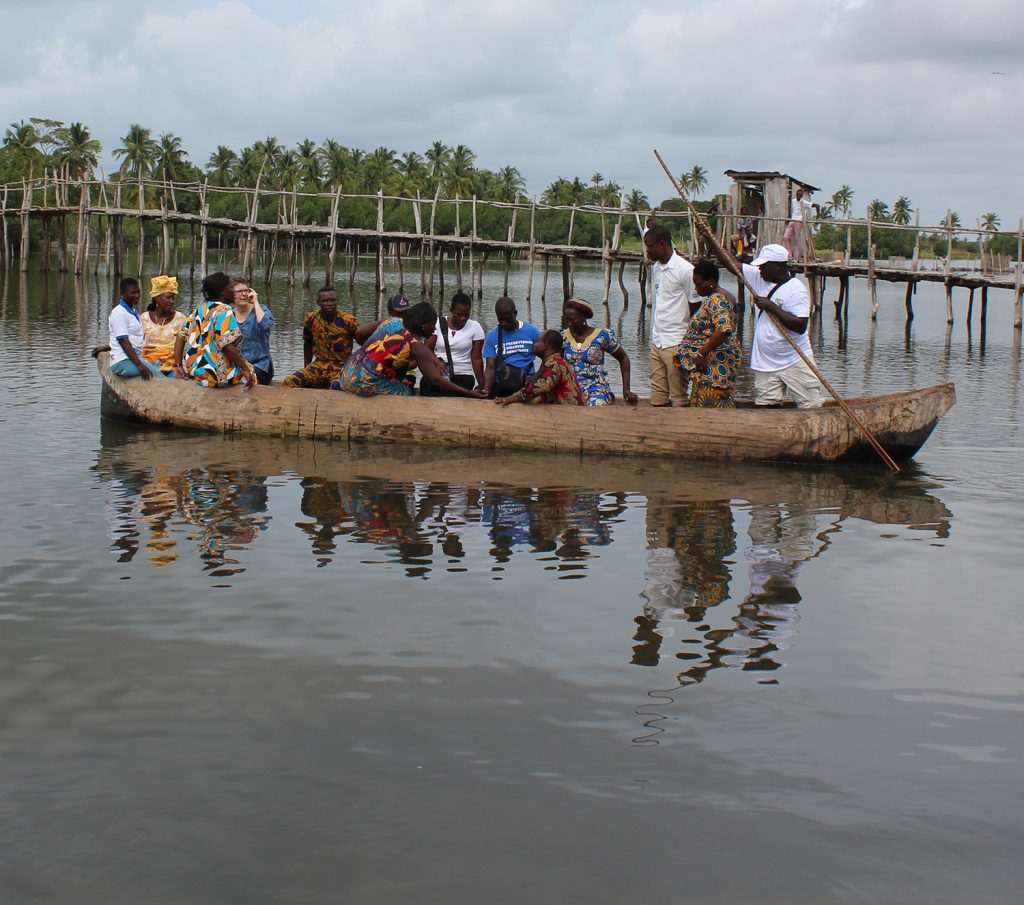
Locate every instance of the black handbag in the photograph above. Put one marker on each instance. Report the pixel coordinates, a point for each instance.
(508, 379)
(466, 381)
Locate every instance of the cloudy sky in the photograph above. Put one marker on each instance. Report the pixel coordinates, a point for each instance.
(890, 96)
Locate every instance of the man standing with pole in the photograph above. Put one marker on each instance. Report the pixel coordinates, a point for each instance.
(774, 359)
(675, 300)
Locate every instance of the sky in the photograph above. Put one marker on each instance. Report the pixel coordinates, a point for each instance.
(891, 97)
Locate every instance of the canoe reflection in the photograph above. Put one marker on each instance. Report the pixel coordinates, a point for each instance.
(716, 568)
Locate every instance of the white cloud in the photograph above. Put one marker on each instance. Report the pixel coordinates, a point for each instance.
(889, 97)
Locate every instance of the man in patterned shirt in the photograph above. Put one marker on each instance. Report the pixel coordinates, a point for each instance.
(327, 336)
(555, 383)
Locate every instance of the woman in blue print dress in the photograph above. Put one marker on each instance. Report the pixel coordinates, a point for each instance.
(585, 350)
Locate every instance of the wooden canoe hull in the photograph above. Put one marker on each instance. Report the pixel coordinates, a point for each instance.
(901, 421)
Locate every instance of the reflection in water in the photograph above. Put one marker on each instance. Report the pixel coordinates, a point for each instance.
(688, 574)
(226, 508)
(723, 546)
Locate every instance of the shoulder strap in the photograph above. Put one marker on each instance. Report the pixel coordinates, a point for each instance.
(448, 350)
(774, 289)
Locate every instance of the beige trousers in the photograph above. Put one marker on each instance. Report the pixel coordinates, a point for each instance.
(667, 381)
(798, 380)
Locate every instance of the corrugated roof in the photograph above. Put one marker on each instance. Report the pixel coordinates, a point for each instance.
(760, 175)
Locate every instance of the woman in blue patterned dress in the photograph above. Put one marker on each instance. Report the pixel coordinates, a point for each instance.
(709, 352)
(585, 349)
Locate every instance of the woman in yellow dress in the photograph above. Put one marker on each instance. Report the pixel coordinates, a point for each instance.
(160, 323)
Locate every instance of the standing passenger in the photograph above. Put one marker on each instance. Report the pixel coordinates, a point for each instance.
(508, 351)
(777, 366)
(674, 301)
(327, 337)
(255, 321)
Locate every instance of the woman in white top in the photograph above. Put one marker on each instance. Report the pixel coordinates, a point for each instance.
(462, 355)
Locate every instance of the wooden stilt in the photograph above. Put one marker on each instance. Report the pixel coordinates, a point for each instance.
(1019, 287)
(354, 263)
(565, 279)
(970, 308)
(909, 300)
(622, 285)
(544, 283)
(533, 255)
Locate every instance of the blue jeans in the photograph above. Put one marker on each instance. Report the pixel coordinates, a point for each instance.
(126, 368)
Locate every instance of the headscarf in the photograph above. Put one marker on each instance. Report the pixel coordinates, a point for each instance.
(160, 285)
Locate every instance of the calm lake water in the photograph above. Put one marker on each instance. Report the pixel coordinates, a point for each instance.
(270, 671)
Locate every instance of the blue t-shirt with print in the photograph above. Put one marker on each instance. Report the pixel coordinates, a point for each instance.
(518, 345)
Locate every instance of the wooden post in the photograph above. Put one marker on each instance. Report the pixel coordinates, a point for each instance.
(916, 259)
(566, 295)
(6, 237)
(292, 241)
(970, 308)
(606, 266)
(642, 280)
(472, 263)
(1018, 288)
(984, 309)
(544, 284)
(401, 270)
(23, 244)
(433, 214)
(117, 231)
(353, 247)
(622, 285)
(204, 228)
(332, 243)
(380, 240)
(533, 246)
(83, 227)
(871, 272)
(165, 259)
(440, 272)
(946, 268)
(909, 300)
(253, 213)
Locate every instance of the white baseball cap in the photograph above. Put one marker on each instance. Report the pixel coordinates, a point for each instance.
(769, 253)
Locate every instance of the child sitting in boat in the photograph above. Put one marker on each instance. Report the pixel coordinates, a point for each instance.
(555, 383)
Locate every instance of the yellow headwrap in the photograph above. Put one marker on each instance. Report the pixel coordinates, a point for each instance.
(160, 285)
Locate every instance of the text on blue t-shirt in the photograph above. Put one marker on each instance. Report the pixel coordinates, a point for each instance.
(517, 345)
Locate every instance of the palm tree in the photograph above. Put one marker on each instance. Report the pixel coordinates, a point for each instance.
(380, 168)
(637, 201)
(459, 172)
(901, 210)
(597, 179)
(250, 164)
(222, 167)
(437, 157)
(557, 192)
(414, 170)
(990, 221)
(695, 179)
(78, 151)
(954, 219)
(842, 198)
(878, 210)
(23, 140)
(138, 153)
(510, 184)
(608, 194)
(310, 163)
(337, 163)
(270, 149)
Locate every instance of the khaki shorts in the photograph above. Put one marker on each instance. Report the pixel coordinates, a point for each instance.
(798, 380)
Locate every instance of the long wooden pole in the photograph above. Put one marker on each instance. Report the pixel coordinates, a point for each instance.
(734, 265)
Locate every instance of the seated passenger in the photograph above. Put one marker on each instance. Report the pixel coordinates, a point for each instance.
(255, 321)
(508, 351)
(585, 349)
(458, 343)
(207, 348)
(161, 323)
(376, 368)
(555, 383)
(327, 336)
(126, 335)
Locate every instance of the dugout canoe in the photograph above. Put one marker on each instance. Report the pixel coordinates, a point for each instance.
(901, 422)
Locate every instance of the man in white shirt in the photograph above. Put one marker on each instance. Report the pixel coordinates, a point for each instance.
(799, 210)
(777, 366)
(675, 300)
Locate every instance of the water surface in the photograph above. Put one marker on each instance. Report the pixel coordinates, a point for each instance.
(280, 671)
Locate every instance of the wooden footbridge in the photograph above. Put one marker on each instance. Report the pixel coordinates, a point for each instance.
(83, 225)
